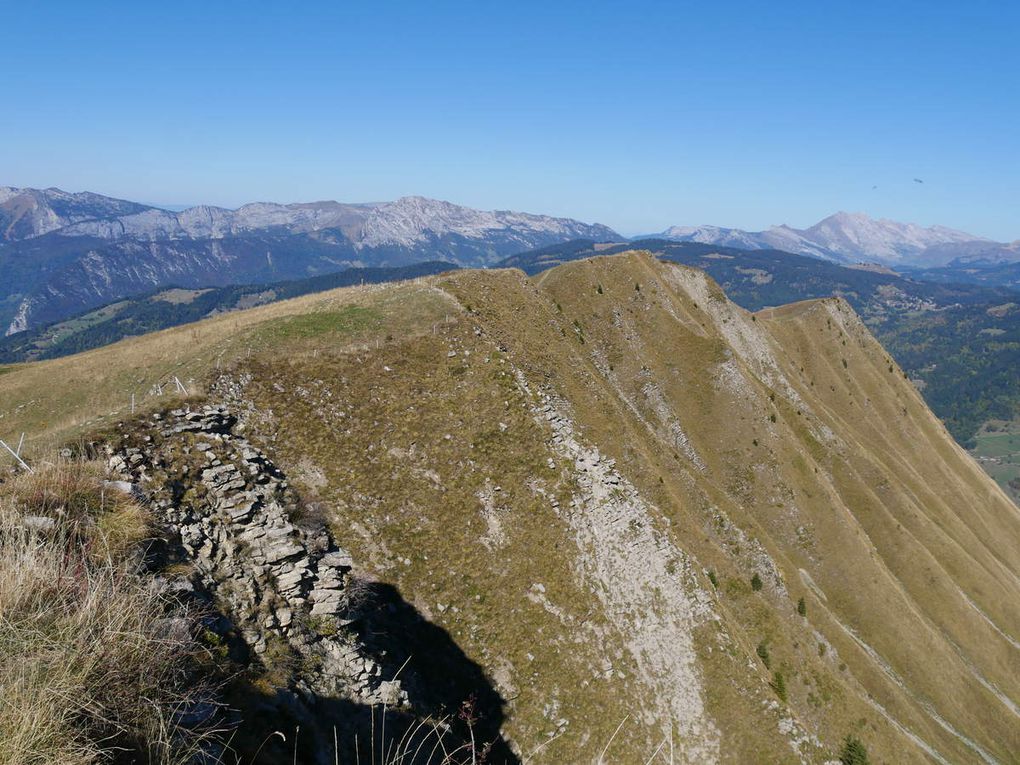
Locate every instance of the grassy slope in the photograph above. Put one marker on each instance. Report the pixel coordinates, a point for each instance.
(893, 468)
(959, 341)
(930, 527)
(58, 400)
(888, 467)
(158, 310)
(722, 420)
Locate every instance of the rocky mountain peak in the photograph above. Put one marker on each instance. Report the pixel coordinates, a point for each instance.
(142, 247)
(843, 237)
(27, 213)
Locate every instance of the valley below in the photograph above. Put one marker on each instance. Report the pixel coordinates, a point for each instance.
(997, 450)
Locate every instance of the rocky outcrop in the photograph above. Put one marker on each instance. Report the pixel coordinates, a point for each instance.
(284, 584)
(642, 579)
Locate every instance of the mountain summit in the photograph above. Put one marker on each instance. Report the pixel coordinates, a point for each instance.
(845, 237)
(852, 233)
(29, 213)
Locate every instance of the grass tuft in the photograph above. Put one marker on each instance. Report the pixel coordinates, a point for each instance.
(94, 660)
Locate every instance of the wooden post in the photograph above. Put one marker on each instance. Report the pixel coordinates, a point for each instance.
(15, 455)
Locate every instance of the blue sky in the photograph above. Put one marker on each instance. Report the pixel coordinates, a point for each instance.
(639, 115)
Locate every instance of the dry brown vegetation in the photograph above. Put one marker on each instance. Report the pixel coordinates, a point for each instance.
(784, 445)
(93, 665)
(54, 402)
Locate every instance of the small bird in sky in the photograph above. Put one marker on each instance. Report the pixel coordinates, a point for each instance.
(918, 180)
(874, 187)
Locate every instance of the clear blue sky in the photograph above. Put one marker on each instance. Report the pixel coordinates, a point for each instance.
(639, 115)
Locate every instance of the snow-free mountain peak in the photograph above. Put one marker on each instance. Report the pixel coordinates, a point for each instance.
(844, 237)
(61, 253)
(29, 213)
(850, 234)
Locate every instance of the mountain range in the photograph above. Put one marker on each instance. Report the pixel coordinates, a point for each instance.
(61, 253)
(408, 221)
(856, 237)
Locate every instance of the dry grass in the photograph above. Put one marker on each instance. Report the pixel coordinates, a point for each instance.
(107, 523)
(93, 667)
(862, 515)
(55, 401)
(445, 432)
(904, 551)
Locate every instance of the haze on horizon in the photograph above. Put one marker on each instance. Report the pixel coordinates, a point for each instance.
(639, 115)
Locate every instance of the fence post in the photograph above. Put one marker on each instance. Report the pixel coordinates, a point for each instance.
(15, 455)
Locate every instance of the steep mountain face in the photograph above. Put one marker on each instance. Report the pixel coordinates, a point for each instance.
(665, 528)
(65, 253)
(959, 343)
(846, 237)
(25, 213)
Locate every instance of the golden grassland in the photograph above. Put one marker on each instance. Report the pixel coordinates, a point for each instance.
(787, 436)
(55, 401)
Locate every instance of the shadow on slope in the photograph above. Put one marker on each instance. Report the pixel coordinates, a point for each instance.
(457, 717)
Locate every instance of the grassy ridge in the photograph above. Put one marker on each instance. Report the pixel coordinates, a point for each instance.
(793, 477)
(173, 307)
(58, 400)
(961, 342)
